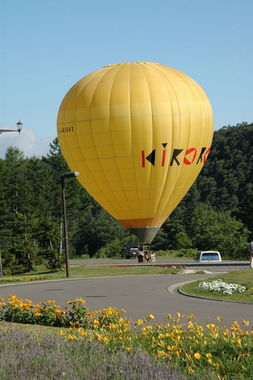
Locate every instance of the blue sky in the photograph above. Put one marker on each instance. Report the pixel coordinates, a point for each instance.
(46, 46)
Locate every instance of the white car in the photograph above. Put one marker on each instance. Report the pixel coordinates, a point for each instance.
(209, 256)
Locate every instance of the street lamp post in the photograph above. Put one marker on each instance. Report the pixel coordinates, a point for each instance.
(66, 250)
(19, 128)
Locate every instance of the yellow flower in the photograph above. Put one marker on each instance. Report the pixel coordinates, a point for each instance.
(209, 355)
(28, 301)
(58, 312)
(190, 325)
(12, 297)
(95, 323)
(98, 337)
(160, 353)
(197, 355)
(105, 340)
(210, 326)
(235, 325)
(81, 331)
(219, 319)
(113, 326)
(151, 316)
(81, 300)
(139, 322)
(245, 323)
(72, 337)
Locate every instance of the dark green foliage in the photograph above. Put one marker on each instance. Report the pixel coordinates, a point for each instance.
(219, 231)
(226, 181)
(226, 186)
(217, 212)
(116, 247)
(85, 239)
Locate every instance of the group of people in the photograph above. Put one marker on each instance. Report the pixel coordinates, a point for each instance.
(146, 256)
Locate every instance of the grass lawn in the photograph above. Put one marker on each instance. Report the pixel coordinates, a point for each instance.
(244, 277)
(81, 271)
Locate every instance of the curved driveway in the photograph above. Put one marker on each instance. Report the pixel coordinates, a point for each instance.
(139, 295)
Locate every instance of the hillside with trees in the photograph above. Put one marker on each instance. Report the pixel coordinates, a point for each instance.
(215, 214)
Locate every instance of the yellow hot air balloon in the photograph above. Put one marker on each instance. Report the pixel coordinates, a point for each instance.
(139, 133)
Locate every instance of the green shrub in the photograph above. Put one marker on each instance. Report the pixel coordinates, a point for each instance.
(85, 256)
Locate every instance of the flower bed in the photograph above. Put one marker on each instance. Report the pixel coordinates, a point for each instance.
(220, 286)
(206, 352)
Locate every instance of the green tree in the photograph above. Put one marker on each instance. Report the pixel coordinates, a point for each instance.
(49, 237)
(218, 230)
(24, 247)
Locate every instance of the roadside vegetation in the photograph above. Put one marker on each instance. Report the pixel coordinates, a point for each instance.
(82, 271)
(105, 344)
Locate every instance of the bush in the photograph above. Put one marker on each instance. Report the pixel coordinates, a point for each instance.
(184, 252)
(115, 248)
(54, 261)
(47, 313)
(85, 256)
(168, 253)
(187, 252)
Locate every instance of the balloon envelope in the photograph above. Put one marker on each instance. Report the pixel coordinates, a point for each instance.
(139, 133)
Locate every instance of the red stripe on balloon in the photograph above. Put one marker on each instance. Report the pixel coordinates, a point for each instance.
(163, 157)
(143, 158)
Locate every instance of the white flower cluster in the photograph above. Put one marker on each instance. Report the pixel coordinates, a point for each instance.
(222, 287)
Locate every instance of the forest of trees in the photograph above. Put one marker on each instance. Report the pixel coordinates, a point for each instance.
(215, 214)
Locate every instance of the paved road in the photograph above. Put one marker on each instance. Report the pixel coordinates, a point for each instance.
(139, 295)
(159, 261)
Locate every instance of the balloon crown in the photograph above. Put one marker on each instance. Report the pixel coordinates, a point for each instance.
(145, 63)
